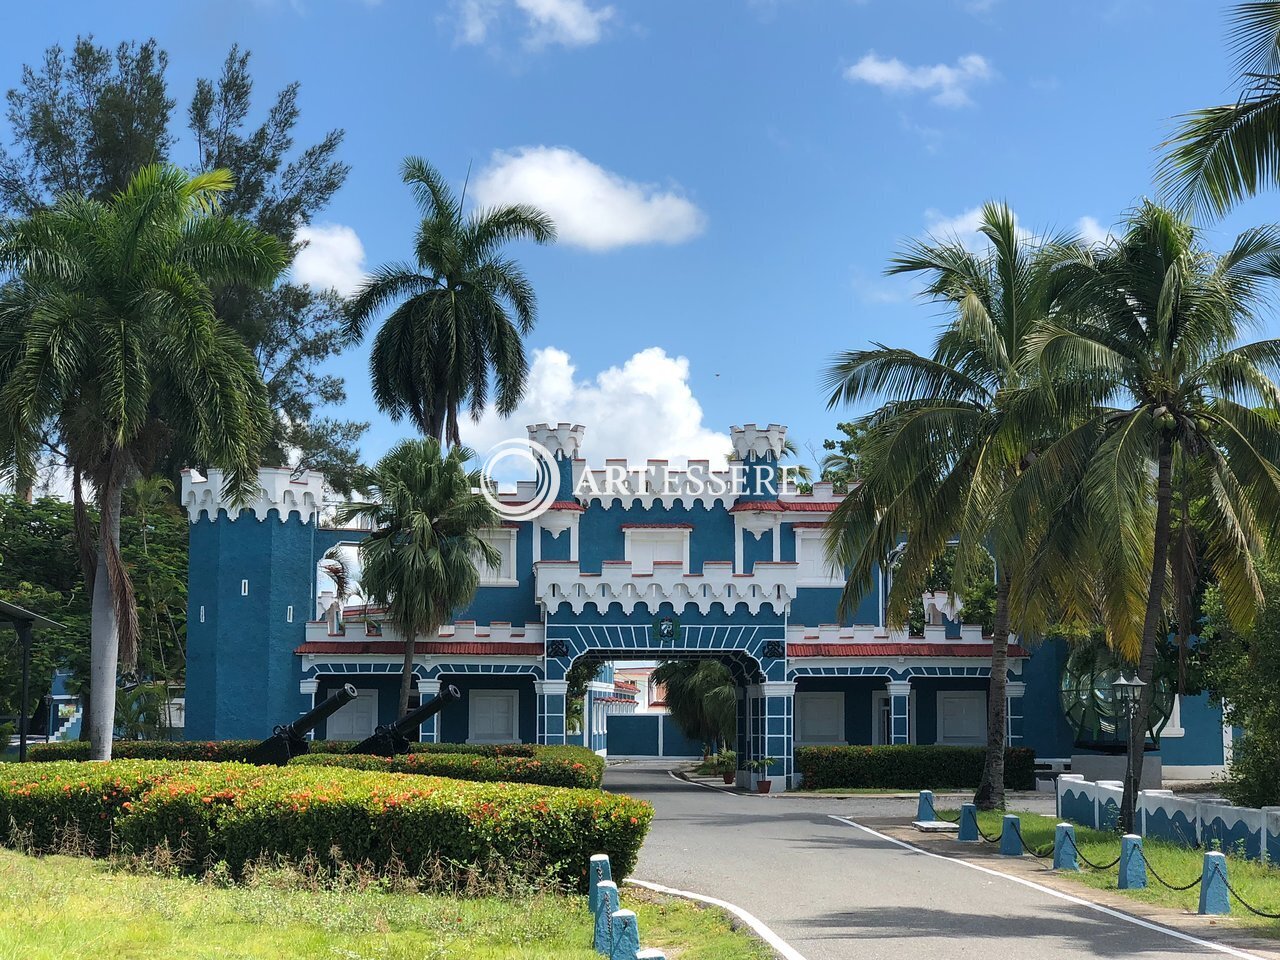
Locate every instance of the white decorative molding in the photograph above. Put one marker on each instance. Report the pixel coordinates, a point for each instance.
(560, 583)
(870, 633)
(619, 483)
(560, 439)
(750, 440)
(278, 489)
(551, 688)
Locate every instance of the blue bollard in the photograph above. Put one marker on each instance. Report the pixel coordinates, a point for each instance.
(1064, 847)
(607, 904)
(1010, 836)
(969, 823)
(1214, 896)
(598, 871)
(626, 935)
(924, 809)
(1133, 865)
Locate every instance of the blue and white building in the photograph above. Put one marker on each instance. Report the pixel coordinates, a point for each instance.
(678, 565)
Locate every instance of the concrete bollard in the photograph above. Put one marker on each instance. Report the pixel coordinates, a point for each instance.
(1064, 847)
(1214, 896)
(598, 871)
(1133, 864)
(924, 808)
(1010, 836)
(605, 907)
(968, 824)
(626, 936)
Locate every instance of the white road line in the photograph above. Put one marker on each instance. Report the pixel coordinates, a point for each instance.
(704, 786)
(781, 946)
(1116, 914)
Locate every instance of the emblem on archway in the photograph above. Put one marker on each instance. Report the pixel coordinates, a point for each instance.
(666, 631)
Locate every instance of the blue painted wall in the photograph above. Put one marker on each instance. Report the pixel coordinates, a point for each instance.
(455, 716)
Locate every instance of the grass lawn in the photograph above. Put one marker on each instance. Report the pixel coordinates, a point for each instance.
(1258, 884)
(57, 907)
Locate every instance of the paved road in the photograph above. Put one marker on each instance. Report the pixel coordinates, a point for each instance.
(833, 891)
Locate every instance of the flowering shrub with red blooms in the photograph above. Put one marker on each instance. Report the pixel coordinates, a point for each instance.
(909, 767)
(237, 814)
(570, 767)
(237, 751)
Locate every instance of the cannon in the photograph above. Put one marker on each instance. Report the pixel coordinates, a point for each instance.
(393, 738)
(289, 740)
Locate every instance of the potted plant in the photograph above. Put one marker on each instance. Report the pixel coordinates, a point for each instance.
(761, 769)
(726, 764)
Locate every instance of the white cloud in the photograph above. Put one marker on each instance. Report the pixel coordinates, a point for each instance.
(644, 408)
(963, 227)
(592, 207)
(569, 23)
(1092, 232)
(332, 258)
(949, 85)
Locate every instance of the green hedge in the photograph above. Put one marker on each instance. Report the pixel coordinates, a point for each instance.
(908, 767)
(235, 813)
(547, 770)
(237, 751)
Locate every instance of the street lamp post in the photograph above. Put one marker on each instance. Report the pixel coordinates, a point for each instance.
(1128, 694)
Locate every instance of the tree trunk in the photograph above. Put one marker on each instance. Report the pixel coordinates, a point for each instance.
(990, 795)
(406, 675)
(104, 634)
(1150, 629)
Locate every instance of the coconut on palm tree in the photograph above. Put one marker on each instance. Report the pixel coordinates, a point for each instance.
(420, 562)
(459, 311)
(954, 431)
(110, 349)
(1158, 320)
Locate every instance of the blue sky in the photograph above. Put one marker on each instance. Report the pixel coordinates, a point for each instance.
(730, 175)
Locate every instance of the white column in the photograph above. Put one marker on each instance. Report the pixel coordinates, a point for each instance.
(899, 711)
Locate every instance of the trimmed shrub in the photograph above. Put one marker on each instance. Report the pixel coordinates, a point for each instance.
(908, 767)
(220, 751)
(479, 749)
(548, 770)
(239, 814)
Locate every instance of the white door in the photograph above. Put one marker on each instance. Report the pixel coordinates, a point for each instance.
(356, 720)
(962, 718)
(493, 716)
(646, 547)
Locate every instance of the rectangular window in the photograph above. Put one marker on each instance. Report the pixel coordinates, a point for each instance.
(244, 588)
(288, 614)
(502, 539)
(493, 716)
(202, 613)
(646, 547)
(814, 569)
(962, 717)
(820, 718)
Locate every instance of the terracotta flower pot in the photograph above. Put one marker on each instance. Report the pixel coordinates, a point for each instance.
(730, 778)
(762, 786)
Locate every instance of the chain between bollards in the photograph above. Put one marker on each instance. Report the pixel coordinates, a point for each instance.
(1038, 856)
(1161, 880)
(1244, 903)
(1086, 861)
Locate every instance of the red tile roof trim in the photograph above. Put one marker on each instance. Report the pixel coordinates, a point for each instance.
(898, 650)
(758, 506)
(395, 647)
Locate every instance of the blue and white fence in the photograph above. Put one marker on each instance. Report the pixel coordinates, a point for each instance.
(1244, 831)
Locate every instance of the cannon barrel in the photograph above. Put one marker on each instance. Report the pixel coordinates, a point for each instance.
(393, 738)
(289, 740)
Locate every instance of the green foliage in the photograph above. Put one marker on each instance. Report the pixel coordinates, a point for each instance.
(842, 463)
(459, 313)
(702, 699)
(1242, 670)
(909, 767)
(586, 771)
(237, 814)
(428, 517)
(86, 121)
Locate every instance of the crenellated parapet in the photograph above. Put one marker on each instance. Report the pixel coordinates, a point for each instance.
(279, 489)
(562, 583)
(752, 442)
(561, 440)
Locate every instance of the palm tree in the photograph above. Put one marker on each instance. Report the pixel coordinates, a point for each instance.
(428, 518)
(1158, 319)
(460, 313)
(702, 698)
(1220, 155)
(110, 347)
(954, 431)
